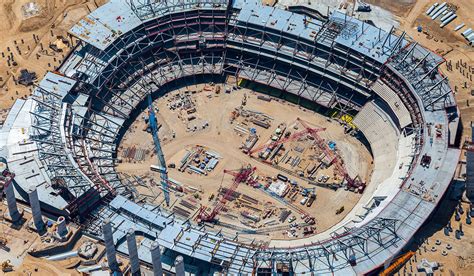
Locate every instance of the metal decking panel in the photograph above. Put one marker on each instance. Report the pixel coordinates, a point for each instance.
(103, 26)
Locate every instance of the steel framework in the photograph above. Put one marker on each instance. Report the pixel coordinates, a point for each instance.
(77, 135)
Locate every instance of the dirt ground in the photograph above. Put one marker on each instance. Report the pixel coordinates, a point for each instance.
(221, 137)
(42, 267)
(20, 241)
(399, 8)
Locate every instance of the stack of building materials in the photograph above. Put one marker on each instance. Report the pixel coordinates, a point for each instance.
(445, 20)
(469, 36)
(458, 27)
(279, 188)
(249, 216)
(431, 9)
(436, 10)
(284, 215)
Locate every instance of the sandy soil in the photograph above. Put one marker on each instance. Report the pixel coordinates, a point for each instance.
(220, 137)
(42, 267)
(60, 15)
(399, 8)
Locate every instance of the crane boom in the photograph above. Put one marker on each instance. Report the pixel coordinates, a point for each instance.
(335, 159)
(158, 150)
(242, 176)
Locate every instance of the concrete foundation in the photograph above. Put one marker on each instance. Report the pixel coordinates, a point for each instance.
(62, 228)
(179, 265)
(36, 209)
(155, 252)
(109, 245)
(133, 253)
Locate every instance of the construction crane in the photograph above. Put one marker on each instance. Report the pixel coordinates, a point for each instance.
(294, 136)
(159, 152)
(243, 175)
(334, 159)
(397, 264)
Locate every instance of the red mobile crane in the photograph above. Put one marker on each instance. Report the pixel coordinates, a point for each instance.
(335, 159)
(243, 175)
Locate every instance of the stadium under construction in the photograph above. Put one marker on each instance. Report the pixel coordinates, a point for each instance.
(62, 142)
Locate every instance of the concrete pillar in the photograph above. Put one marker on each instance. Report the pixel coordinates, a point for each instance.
(470, 170)
(109, 245)
(62, 228)
(133, 252)
(36, 209)
(179, 266)
(11, 202)
(156, 259)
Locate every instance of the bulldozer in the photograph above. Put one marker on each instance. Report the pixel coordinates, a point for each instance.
(6, 266)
